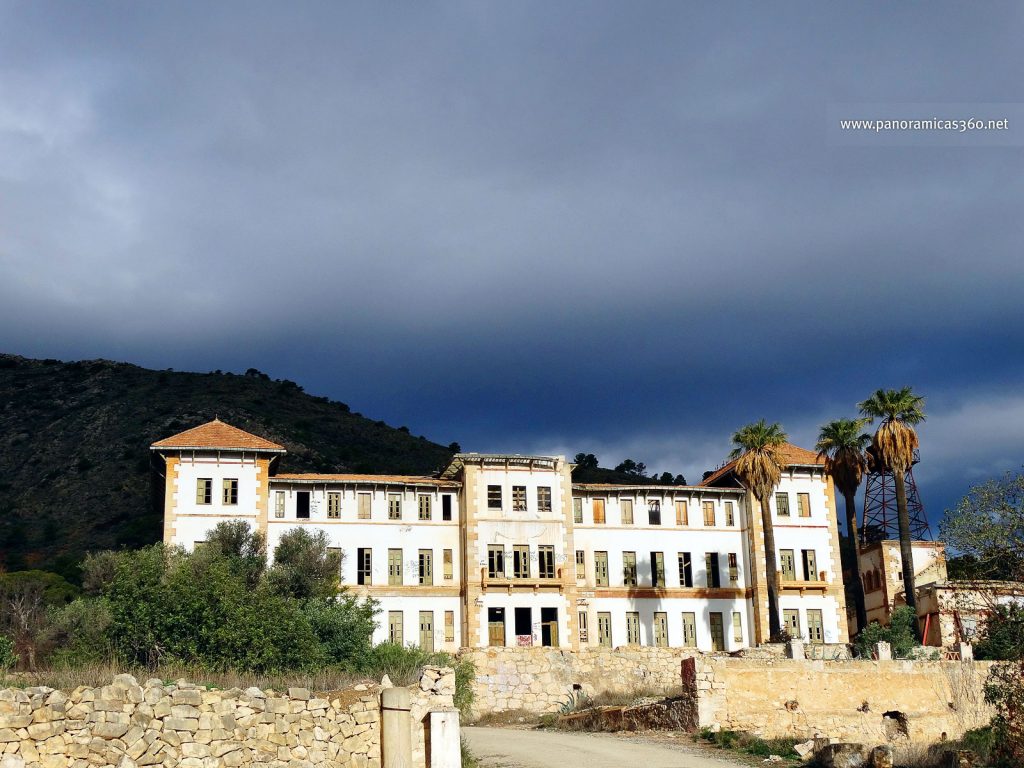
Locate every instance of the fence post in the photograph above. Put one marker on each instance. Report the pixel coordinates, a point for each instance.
(445, 744)
(396, 728)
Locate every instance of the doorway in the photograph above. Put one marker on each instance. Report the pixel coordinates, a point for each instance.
(549, 627)
(495, 626)
(302, 505)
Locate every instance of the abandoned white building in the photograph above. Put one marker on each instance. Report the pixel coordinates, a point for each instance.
(507, 550)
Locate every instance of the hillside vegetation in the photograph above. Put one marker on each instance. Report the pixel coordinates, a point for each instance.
(75, 471)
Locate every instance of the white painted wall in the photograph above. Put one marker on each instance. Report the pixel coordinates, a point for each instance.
(193, 520)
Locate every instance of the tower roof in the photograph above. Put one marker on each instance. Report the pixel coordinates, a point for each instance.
(217, 435)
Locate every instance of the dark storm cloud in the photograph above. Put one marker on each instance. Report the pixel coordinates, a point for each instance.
(527, 226)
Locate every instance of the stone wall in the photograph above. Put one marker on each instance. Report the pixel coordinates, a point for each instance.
(126, 724)
(539, 680)
(867, 701)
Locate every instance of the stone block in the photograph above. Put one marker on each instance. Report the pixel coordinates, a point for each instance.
(842, 756)
(110, 730)
(189, 724)
(188, 696)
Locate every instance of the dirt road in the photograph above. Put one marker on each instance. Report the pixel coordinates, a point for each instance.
(513, 748)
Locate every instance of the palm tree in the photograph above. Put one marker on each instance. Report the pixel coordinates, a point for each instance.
(759, 467)
(894, 444)
(842, 444)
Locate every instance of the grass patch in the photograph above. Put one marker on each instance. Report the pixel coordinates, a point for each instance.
(468, 759)
(739, 741)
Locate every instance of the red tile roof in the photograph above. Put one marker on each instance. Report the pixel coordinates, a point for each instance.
(309, 477)
(792, 454)
(218, 435)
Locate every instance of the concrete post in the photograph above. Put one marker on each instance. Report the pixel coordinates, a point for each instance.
(966, 652)
(883, 651)
(445, 742)
(796, 649)
(396, 728)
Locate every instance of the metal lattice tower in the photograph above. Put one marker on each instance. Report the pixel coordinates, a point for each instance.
(880, 520)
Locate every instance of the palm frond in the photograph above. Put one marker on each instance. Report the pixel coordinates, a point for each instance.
(842, 444)
(895, 439)
(759, 456)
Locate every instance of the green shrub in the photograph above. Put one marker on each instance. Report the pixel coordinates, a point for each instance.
(8, 658)
(899, 634)
(1002, 636)
(79, 632)
(343, 627)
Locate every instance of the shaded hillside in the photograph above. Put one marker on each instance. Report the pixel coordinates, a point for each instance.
(75, 471)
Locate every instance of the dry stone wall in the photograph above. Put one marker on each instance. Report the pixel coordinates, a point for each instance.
(540, 680)
(128, 724)
(864, 701)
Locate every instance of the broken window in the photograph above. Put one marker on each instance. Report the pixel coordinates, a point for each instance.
(495, 561)
(737, 627)
(546, 561)
(629, 569)
(494, 497)
(518, 498)
(446, 562)
(364, 562)
(333, 504)
(581, 564)
(791, 623)
(521, 561)
(449, 626)
(446, 507)
(734, 568)
(685, 570)
(229, 495)
(714, 579)
(810, 565)
(426, 566)
(496, 626)
(782, 504)
(204, 490)
(730, 513)
(279, 504)
(803, 504)
(577, 510)
(654, 511)
(657, 569)
(544, 498)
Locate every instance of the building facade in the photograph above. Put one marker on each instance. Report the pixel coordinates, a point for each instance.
(507, 550)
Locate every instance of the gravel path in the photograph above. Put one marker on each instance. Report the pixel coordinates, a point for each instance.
(518, 748)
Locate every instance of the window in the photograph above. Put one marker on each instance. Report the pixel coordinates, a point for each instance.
(446, 562)
(364, 564)
(632, 628)
(427, 631)
(661, 629)
(394, 507)
(577, 510)
(521, 561)
(730, 513)
(279, 504)
(711, 569)
(737, 627)
(734, 568)
(582, 620)
(682, 512)
(658, 569)
(604, 630)
(495, 561)
(815, 626)
(709, 514)
(302, 505)
(601, 569)
(598, 505)
(446, 507)
(689, 630)
(788, 562)
(654, 511)
(395, 627)
(544, 498)
(449, 626)
(717, 631)
(546, 561)
(685, 570)
(581, 564)
(518, 498)
(394, 567)
(204, 490)
(494, 497)
(364, 506)
(782, 504)
(426, 567)
(230, 492)
(424, 507)
(627, 511)
(629, 569)
(791, 623)
(810, 566)
(803, 504)
(334, 504)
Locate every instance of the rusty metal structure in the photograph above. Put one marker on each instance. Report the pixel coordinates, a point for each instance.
(880, 521)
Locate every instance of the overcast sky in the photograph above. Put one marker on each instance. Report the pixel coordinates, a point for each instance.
(624, 228)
